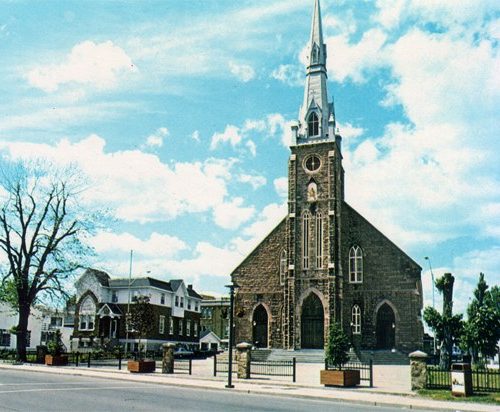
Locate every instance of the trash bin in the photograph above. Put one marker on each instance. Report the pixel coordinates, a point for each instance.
(461, 379)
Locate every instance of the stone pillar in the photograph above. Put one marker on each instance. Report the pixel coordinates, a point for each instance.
(243, 358)
(418, 369)
(167, 365)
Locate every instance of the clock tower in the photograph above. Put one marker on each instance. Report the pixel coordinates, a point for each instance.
(315, 181)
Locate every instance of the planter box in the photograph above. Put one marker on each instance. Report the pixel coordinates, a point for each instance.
(141, 366)
(339, 377)
(57, 360)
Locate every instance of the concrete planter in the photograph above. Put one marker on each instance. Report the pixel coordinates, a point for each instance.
(56, 360)
(339, 377)
(141, 366)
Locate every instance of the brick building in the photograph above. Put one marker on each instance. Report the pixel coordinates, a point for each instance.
(324, 262)
(215, 317)
(101, 308)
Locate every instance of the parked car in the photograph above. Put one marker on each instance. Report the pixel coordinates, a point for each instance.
(182, 353)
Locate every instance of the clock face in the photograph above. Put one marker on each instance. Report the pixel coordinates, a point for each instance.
(312, 163)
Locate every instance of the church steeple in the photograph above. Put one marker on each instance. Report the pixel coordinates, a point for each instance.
(316, 116)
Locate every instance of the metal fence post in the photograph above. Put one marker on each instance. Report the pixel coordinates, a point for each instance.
(120, 360)
(77, 358)
(88, 360)
(371, 373)
(215, 365)
(294, 370)
(190, 366)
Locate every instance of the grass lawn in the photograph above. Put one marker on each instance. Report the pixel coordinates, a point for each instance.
(445, 395)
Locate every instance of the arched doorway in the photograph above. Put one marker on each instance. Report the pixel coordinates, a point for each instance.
(259, 323)
(312, 323)
(386, 327)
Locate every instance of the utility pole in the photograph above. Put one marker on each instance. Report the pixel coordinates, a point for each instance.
(231, 287)
(127, 316)
(433, 302)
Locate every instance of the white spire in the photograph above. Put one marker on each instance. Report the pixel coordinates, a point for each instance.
(315, 92)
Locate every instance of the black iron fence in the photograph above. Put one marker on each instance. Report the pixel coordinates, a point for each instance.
(275, 368)
(365, 370)
(183, 365)
(221, 364)
(483, 379)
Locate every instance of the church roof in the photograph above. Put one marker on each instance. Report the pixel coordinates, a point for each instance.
(351, 210)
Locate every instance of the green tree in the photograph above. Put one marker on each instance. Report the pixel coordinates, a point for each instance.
(42, 228)
(482, 329)
(446, 326)
(337, 349)
(141, 318)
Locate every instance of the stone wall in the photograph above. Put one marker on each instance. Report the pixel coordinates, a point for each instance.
(388, 275)
(259, 282)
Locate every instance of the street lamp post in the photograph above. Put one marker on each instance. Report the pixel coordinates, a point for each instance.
(433, 302)
(231, 287)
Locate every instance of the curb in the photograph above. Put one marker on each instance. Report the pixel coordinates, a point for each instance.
(203, 384)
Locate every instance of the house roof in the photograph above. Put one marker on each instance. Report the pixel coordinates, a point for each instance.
(170, 286)
(206, 333)
(101, 276)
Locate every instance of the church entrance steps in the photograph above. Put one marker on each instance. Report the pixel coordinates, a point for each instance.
(301, 356)
(260, 355)
(384, 357)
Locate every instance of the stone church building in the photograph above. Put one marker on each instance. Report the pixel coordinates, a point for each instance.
(324, 262)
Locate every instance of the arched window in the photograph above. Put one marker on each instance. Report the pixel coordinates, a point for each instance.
(313, 125)
(87, 314)
(306, 223)
(355, 265)
(356, 320)
(319, 240)
(283, 266)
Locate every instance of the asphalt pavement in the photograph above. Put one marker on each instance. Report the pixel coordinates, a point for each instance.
(22, 390)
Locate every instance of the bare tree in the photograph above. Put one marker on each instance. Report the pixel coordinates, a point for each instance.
(42, 228)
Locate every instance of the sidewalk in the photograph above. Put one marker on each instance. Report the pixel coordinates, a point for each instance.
(368, 396)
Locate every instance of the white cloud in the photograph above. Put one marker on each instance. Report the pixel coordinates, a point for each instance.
(353, 60)
(156, 139)
(348, 131)
(273, 125)
(253, 180)
(230, 135)
(137, 185)
(88, 63)
(231, 215)
(196, 136)
(243, 72)
(281, 187)
(290, 74)
(157, 246)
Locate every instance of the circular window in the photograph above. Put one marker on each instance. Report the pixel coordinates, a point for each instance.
(312, 163)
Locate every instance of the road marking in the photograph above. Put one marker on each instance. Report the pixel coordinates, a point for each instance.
(80, 389)
(40, 383)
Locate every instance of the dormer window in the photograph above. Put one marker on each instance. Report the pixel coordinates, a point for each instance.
(313, 125)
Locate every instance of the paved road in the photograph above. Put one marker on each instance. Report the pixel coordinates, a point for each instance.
(30, 391)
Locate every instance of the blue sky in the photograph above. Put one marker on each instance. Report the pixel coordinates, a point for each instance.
(179, 113)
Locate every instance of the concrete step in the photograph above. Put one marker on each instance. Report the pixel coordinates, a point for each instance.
(260, 354)
(301, 356)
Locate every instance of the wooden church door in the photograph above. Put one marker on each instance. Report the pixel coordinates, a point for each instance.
(312, 323)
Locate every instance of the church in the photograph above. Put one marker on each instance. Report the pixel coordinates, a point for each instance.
(324, 262)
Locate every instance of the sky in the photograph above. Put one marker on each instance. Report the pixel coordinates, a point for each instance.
(179, 114)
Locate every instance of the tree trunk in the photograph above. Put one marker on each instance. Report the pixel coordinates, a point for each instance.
(447, 346)
(22, 332)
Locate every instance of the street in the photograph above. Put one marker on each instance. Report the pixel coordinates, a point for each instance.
(31, 391)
